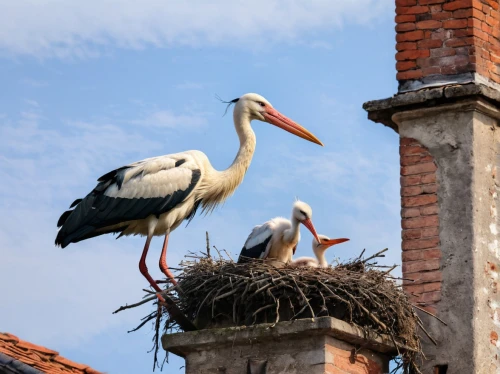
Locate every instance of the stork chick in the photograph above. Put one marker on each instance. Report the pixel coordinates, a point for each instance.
(276, 240)
(319, 250)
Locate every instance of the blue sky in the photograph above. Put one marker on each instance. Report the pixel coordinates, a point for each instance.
(91, 86)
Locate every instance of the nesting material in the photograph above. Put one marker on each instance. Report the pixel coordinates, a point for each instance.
(220, 293)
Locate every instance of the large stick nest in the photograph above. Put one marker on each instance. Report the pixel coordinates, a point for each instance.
(220, 293)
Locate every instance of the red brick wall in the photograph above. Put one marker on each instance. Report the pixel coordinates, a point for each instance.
(420, 224)
(343, 364)
(442, 37)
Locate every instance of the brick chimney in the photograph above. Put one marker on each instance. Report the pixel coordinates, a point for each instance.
(447, 112)
(441, 41)
(324, 345)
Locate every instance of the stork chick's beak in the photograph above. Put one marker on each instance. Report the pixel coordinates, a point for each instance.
(328, 243)
(308, 223)
(277, 119)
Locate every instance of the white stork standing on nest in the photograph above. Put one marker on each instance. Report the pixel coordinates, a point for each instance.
(319, 250)
(153, 196)
(276, 240)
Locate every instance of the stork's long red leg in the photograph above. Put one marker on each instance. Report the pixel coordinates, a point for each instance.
(144, 269)
(163, 262)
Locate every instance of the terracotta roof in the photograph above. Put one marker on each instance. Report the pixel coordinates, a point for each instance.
(37, 357)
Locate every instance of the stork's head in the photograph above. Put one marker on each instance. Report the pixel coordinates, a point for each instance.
(324, 242)
(302, 212)
(256, 107)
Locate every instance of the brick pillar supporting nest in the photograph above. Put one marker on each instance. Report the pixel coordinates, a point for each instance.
(420, 225)
(324, 345)
(447, 114)
(439, 41)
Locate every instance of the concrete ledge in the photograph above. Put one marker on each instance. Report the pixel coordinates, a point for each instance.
(381, 111)
(183, 343)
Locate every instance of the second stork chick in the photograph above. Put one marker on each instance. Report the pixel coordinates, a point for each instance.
(319, 248)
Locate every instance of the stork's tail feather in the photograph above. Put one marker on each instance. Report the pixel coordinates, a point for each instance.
(63, 218)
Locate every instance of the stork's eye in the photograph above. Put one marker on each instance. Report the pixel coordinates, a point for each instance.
(261, 103)
(302, 212)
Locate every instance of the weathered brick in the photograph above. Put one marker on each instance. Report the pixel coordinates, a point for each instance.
(405, 65)
(431, 296)
(412, 255)
(430, 188)
(405, 18)
(410, 160)
(418, 222)
(431, 253)
(420, 200)
(411, 234)
(427, 2)
(426, 158)
(410, 212)
(439, 16)
(429, 232)
(407, 26)
(429, 43)
(429, 210)
(440, 52)
(410, 180)
(412, 54)
(406, 2)
(424, 277)
(459, 42)
(420, 243)
(431, 70)
(418, 169)
(418, 266)
(409, 74)
(412, 150)
(429, 178)
(411, 191)
(429, 287)
(428, 24)
(403, 142)
(454, 5)
(410, 36)
(415, 288)
(417, 9)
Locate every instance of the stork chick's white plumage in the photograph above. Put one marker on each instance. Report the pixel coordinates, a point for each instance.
(319, 249)
(153, 196)
(277, 238)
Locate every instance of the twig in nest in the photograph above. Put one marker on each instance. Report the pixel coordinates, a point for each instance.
(147, 300)
(208, 245)
(429, 313)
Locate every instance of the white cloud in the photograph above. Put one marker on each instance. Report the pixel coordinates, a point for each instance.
(52, 28)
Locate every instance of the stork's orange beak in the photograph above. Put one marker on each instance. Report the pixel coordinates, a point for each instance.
(328, 243)
(277, 119)
(308, 223)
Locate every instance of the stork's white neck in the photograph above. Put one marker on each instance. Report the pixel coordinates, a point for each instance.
(292, 235)
(224, 183)
(320, 255)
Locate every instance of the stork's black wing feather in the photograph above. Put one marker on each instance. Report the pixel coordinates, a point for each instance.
(100, 209)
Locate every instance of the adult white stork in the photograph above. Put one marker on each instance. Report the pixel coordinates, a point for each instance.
(276, 240)
(153, 196)
(319, 250)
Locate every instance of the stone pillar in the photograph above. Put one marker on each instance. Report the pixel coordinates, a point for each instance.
(324, 345)
(447, 114)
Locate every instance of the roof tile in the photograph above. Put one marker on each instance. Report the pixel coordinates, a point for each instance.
(8, 337)
(34, 347)
(41, 358)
